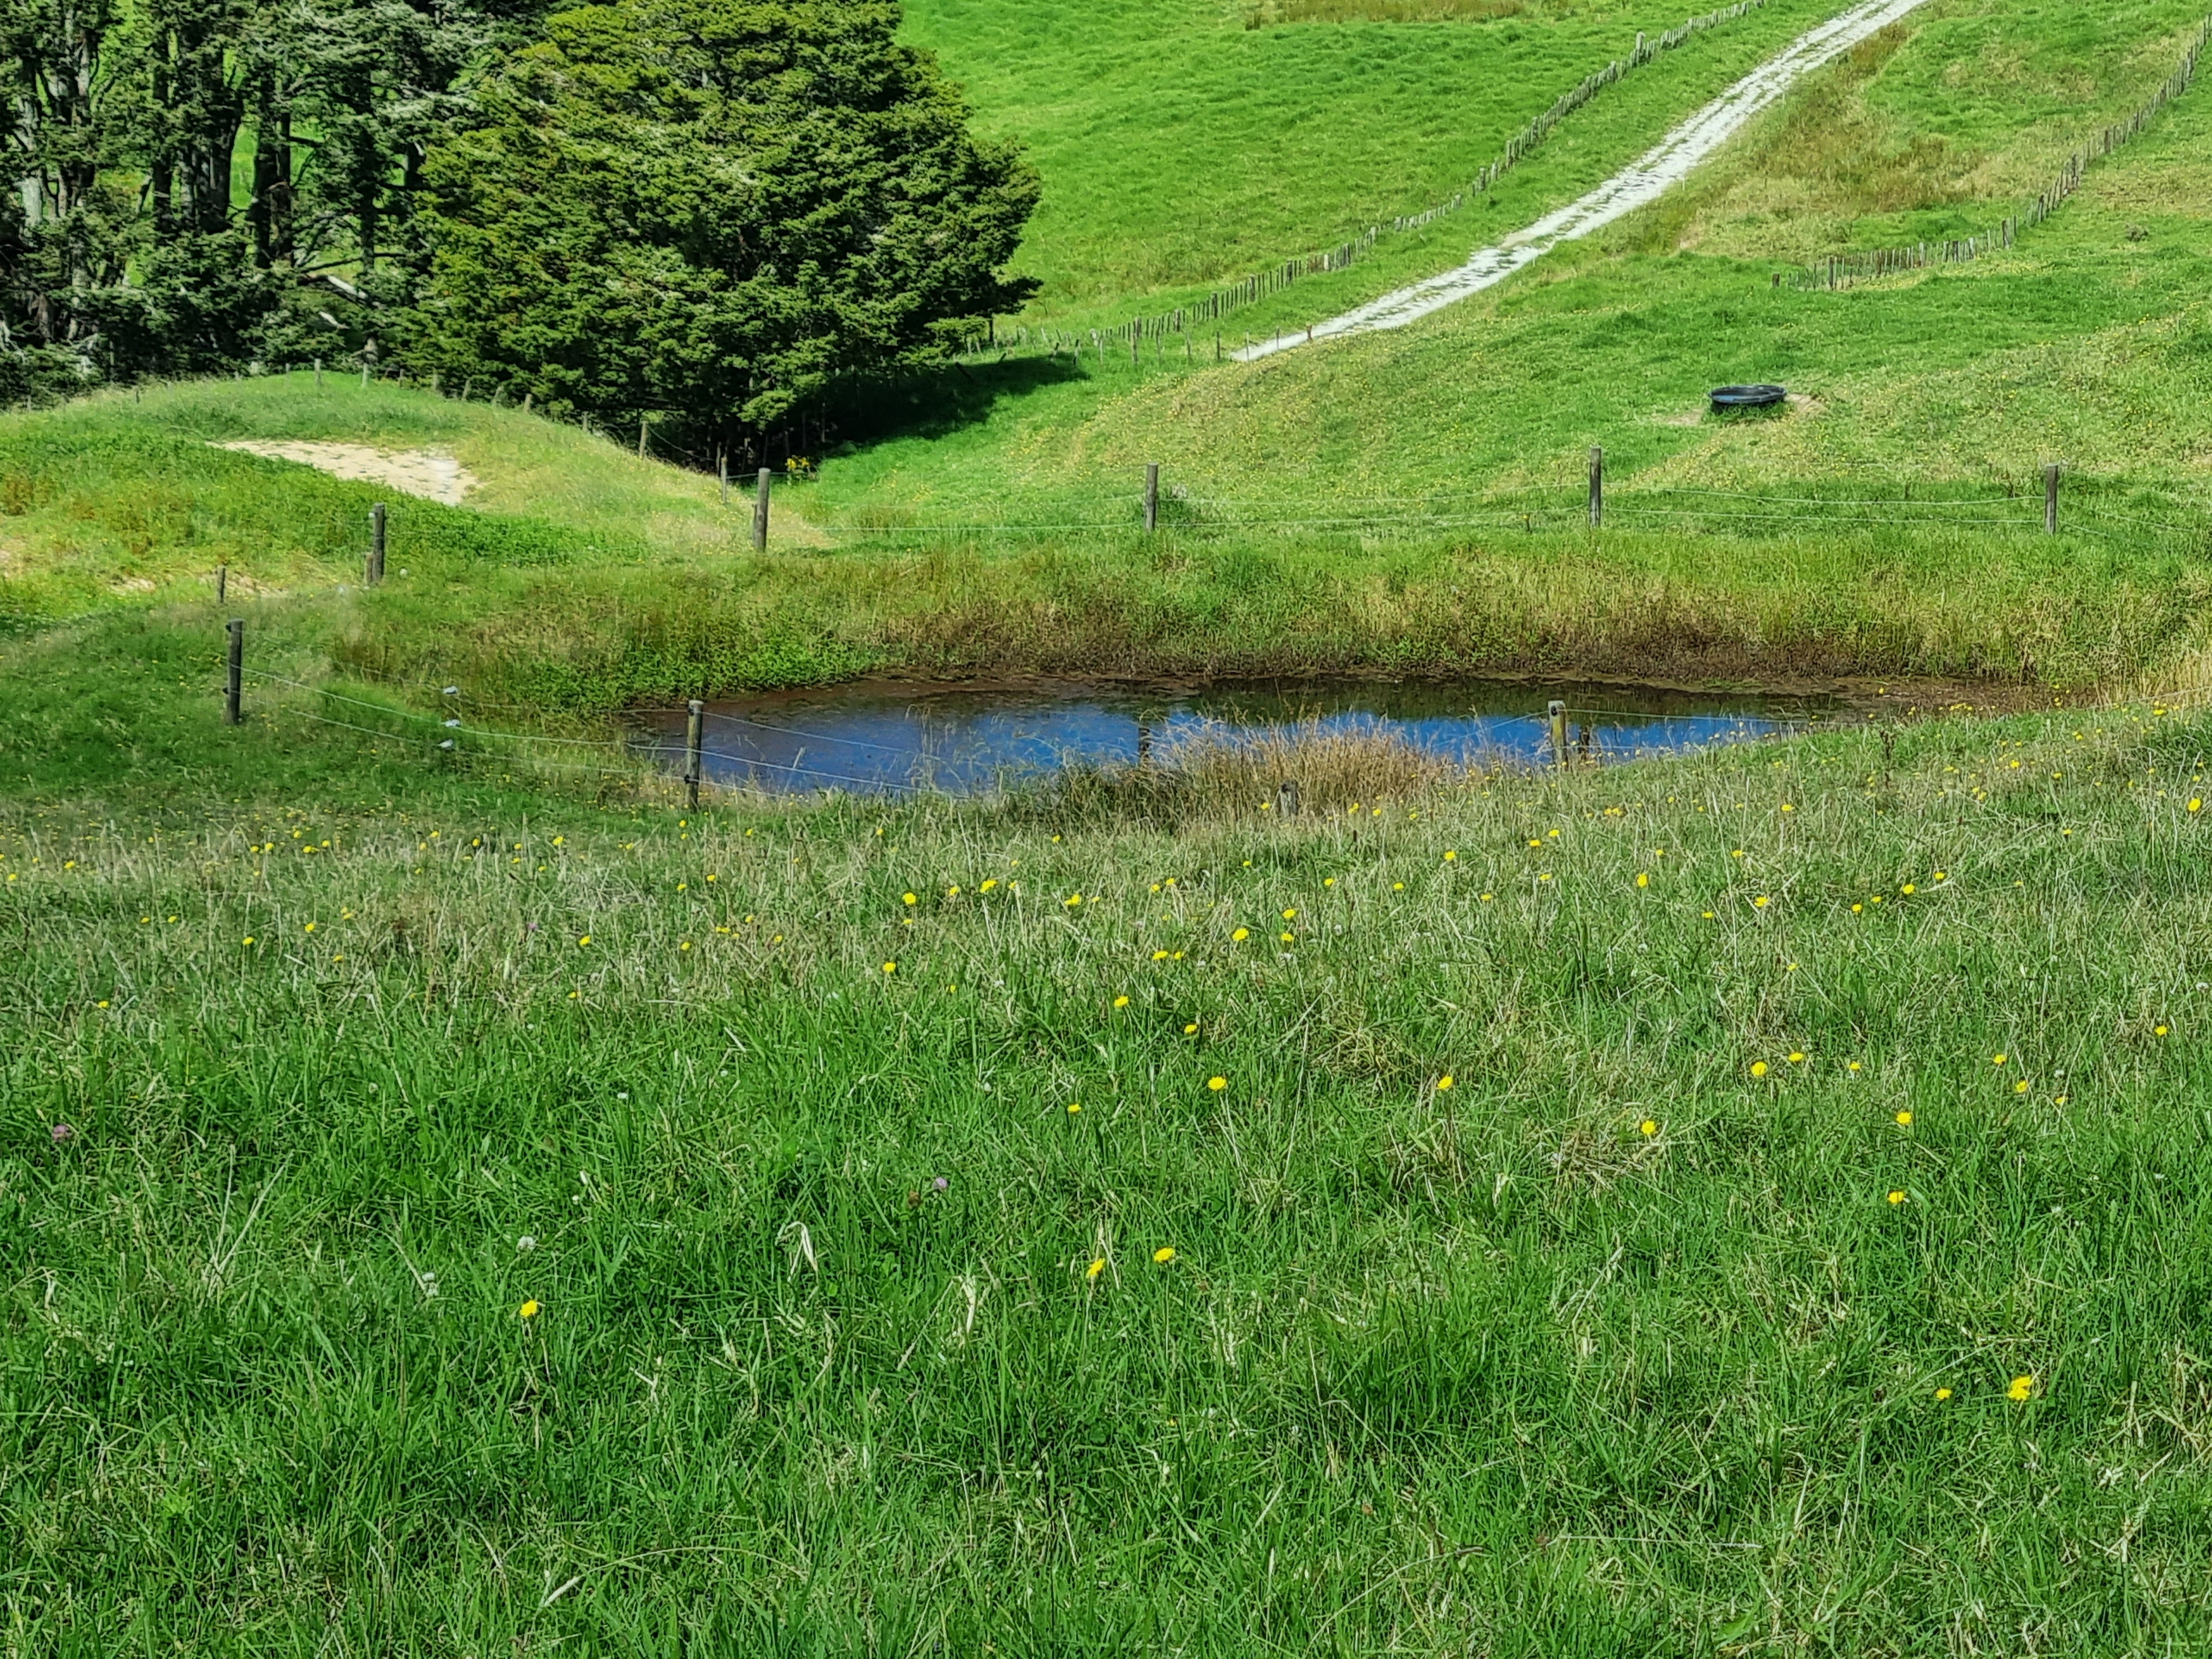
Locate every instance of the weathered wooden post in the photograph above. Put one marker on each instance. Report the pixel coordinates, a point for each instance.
(372, 571)
(235, 671)
(760, 513)
(1596, 486)
(1286, 799)
(1558, 712)
(694, 732)
(2051, 499)
(1151, 496)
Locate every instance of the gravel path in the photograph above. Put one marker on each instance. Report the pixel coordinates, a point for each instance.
(1642, 181)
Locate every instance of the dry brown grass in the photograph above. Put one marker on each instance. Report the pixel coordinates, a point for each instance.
(1215, 775)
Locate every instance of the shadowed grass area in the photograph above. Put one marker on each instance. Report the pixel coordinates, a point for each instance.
(1747, 1201)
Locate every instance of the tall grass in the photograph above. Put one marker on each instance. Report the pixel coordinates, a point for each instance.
(847, 1334)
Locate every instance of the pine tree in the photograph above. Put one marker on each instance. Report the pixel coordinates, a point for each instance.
(716, 207)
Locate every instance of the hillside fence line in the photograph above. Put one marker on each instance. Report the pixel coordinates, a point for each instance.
(1222, 301)
(1844, 270)
(2106, 508)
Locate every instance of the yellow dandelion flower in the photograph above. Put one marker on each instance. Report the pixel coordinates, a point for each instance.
(1397, 886)
(1164, 1254)
(1997, 1060)
(2158, 1030)
(2021, 1087)
(1759, 1068)
(2023, 1388)
(1120, 1002)
(1287, 938)
(1896, 1196)
(1450, 857)
(1071, 900)
(1240, 934)
(584, 938)
(1903, 1118)
(1191, 1030)
(988, 885)
(527, 1311)
(1289, 915)
(1643, 879)
(248, 939)
(1649, 1127)
(1073, 1107)
(1908, 890)
(1159, 956)
(1760, 902)
(890, 967)
(1796, 1058)
(1097, 1267)
(1217, 1084)
(1942, 1393)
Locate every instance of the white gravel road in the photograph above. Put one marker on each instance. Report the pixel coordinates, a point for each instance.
(1642, 181)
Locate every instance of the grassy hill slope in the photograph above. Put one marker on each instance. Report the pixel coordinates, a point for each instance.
(2079, 346)
(1180, 148)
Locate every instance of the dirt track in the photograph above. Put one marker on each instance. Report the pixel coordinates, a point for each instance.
(1643, 181)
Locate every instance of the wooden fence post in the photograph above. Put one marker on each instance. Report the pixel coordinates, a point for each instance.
(1151, 496)
(2051, 499)
(235, 671)
(318, 373)
(1556, 713)
(641, 437)
(1596, 486)
(759, 513)
(694, 731)
(221, 582)
(376, 572)
(1286, 801)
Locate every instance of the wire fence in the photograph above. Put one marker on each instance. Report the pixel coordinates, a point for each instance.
(1844, 270)
(1183, 321)
(2091, 506)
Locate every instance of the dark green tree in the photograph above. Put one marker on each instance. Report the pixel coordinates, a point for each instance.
(720, 207)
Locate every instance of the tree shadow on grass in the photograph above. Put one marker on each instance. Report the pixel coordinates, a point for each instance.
(939, 402)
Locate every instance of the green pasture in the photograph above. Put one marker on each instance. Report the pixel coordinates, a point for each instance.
(442, 1212)
(1180, 148)
(2079, 347)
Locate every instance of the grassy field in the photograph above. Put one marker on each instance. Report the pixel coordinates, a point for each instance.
(2082, 346)
(625, 582)
(1737, 1206)
(1180, 148)
(464, 1200)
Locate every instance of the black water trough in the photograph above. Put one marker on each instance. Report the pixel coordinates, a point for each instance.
(1728, 398)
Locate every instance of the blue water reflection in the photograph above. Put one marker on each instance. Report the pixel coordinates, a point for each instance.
(876, 739)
